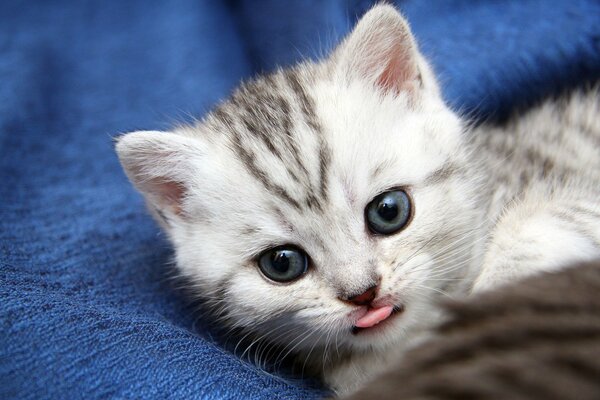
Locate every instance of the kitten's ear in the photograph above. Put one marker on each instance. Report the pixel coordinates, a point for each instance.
(381, 50)
(160, 165)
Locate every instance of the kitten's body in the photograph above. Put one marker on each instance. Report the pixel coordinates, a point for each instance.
(295, 157)
(544, 188)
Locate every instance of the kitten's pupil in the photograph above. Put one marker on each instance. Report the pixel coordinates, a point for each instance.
(280, 261)
(387, 209)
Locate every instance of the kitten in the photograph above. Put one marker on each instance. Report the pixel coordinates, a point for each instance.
(538, 339)
(326, 208)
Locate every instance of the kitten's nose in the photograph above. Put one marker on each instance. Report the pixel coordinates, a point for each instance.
(364, 298)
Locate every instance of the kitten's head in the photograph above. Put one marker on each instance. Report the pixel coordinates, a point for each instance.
(321, 197)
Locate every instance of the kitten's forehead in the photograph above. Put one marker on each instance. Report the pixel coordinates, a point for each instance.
(273, 129)
(281, 130)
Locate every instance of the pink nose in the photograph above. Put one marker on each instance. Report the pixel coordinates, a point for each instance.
(364, 298)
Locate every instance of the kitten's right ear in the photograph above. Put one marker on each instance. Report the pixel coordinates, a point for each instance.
(160, 165)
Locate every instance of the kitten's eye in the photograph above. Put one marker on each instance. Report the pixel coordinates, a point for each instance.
(389, 212)
(283, 264)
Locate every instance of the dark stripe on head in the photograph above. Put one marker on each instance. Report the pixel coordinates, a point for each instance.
(306, 103)
(266, 113)
(445, 172)
(222, 117)
(307, 109)
(249, 161)
(376, 171)
(324, 161)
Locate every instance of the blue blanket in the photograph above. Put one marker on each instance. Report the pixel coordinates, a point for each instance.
(87, 309)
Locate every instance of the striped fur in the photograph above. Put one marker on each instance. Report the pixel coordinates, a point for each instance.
(295, 156)
(263, 116)
(544, 167)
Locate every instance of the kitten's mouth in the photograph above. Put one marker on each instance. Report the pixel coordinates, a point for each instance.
(375, 316)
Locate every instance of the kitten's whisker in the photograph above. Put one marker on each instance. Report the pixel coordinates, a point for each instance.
(261, 338)
(311, 332)
(274, 331)
(327, 340)
(462, 236)
(458, 254)
(434, 289)
(454, 253)
(337, 348)
(310, 352)
(252, 332)
(445, 279)
(416, 252)
(445, 269)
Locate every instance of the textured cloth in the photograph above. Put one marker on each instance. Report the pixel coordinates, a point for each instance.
(87, 309)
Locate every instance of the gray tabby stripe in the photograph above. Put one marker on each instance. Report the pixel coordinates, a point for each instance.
(256, 112)
(248, 159)
(445, 172)
(576, 225)
(535, 157)
(308, 111)
(586, 211)
(259, 116)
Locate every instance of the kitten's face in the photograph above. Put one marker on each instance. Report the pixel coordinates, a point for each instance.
(292, 162)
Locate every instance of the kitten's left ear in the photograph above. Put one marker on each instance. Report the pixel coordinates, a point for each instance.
(382, 51)
(162, 166)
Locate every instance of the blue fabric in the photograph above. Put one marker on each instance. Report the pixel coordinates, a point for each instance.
(86, 306)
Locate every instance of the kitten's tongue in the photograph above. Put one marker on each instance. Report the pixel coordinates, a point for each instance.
(374, 316)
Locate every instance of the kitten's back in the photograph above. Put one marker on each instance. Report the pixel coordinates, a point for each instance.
(553, 146)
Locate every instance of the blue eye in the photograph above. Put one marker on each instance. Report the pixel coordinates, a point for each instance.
(283, 263)
(389, 212)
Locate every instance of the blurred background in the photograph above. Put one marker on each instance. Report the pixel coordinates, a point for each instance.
(86, 306)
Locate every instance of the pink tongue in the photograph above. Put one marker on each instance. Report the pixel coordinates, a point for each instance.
(374, 316)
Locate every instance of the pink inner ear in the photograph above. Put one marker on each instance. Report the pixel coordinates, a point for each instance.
(169, 193)
(389, 79)
(401, 72)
